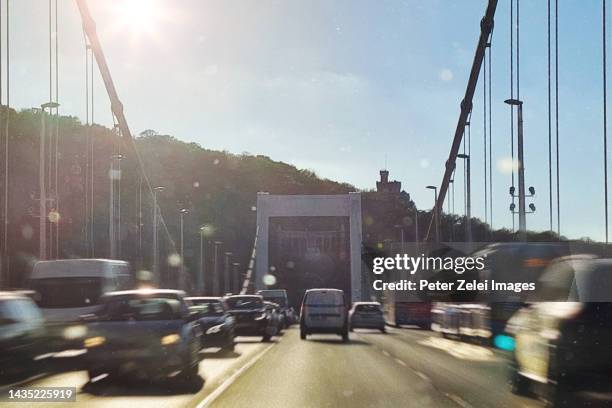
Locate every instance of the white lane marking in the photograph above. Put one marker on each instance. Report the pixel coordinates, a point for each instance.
(458, 400)
(460, 350)
(386, 353)
(225, 384)
(423, 376)
(400, 362)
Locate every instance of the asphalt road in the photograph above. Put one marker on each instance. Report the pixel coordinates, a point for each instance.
(403, 368)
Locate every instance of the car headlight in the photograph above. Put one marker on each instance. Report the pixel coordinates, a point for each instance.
(170, 339)
(261, 316)
(74, 332)
(214, 329)
(94, 341)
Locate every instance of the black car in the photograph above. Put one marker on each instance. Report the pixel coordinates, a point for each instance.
(216, 322)
(252, 316)
(21, 333)
(148, 333)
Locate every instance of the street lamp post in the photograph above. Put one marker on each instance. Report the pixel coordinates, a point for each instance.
(216, 287)
(155, 254)
(201, 273)
(451, 209)
(401, 229)
(416, 228)
(113, 174)
(182, 214)
(468, 205)
(435, 212)
(227, 287)
(521, 167)
(236, 289)
(42, 207)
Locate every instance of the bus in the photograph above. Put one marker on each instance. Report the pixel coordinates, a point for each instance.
(67, 289)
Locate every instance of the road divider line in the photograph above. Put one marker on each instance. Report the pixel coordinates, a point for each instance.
(400, 362)
(458, 400)
(386, 353)
(226, 384)
(422, 376)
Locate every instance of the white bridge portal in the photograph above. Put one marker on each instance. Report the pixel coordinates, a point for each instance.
(341, 205)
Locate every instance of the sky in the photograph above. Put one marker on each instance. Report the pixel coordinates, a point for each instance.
(341, 87)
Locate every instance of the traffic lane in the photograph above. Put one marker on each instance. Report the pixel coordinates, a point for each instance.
(476, 375)
(322, 371)
(215, 367)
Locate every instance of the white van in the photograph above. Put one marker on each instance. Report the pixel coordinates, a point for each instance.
(324, 311)
(69, 288)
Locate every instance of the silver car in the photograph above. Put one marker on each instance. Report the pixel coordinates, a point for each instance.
(367, 315)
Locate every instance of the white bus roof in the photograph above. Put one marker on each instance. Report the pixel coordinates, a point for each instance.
(73, 268)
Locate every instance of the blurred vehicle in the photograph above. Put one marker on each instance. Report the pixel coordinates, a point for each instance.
(278, 296)
(277, 320)
(68, 288)
(292, 316)
(251, 315)
(366, 315)
(324, 311)
(461, 315)
(446, 316)
(563, 344)
(408, 313)
(21, 333)
(216, 322)
(149, 333)
(466, 321)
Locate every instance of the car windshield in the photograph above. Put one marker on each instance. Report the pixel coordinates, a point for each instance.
(213, 308)
(67, 292)
(20, 310)
(325, 299)
(247, 302)
(149, 308)
(281, 301)
(368, 308)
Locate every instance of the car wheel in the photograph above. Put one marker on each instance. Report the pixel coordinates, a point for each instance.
(191, 371)
(519, 384)
(265, 338)
(231, 347)
(345, 336)
(383, 330)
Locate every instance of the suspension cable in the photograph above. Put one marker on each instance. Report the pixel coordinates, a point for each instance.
(490, 136)
(6, 132)
(550, 182)
(86, 198)
(484, 133)
(557, 112)
(605, 115)
(464, 174)
(512, 106)
(57, 136)
(91, 153)
(3, 257)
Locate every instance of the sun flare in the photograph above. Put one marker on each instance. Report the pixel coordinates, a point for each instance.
(139, 16)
